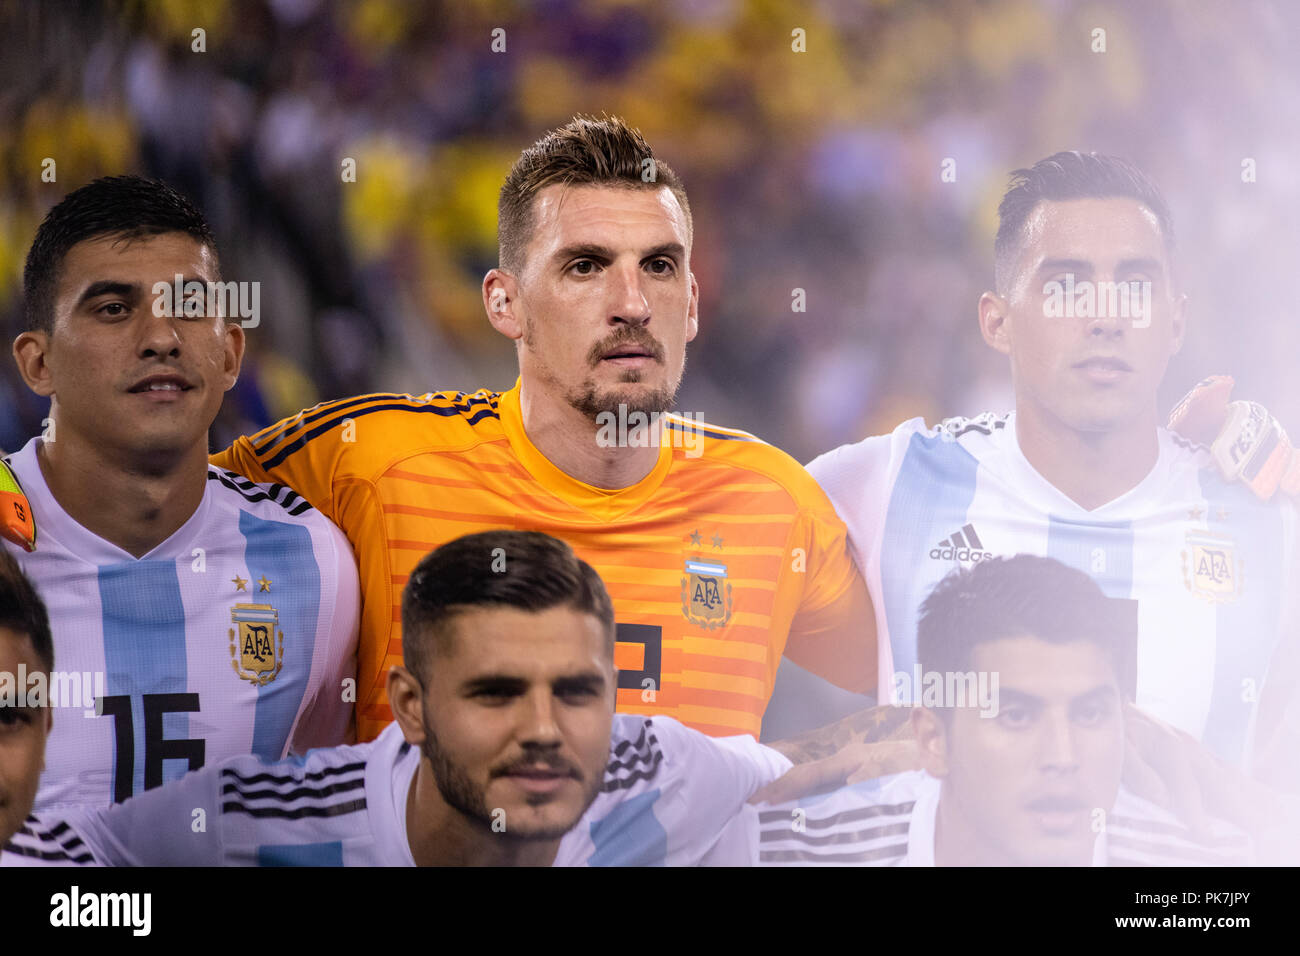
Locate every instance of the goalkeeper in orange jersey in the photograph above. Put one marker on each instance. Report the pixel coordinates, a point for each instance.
(720, 552)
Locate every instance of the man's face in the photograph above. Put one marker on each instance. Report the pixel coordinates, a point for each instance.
(1097, 370)
(122, 376)
(1030, 779)
(517, 717)
(22, 738)
(606, 297)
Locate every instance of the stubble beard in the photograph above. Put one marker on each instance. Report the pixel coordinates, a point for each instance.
(460, 792)
(592, 401)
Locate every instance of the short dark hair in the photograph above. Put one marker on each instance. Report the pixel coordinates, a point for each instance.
(127, 207)
(585, 152)
(526, 570)
(1018, 596)
(1069, 175)
(22, 611)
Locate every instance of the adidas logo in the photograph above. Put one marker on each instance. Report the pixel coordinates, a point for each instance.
(965, 545)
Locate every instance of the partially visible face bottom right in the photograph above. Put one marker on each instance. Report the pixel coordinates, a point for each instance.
(22, 736)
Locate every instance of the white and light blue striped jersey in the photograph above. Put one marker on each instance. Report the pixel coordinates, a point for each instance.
(233, 636)
(1204, 563)
(890, 821)
(668, 792)
(39, 843)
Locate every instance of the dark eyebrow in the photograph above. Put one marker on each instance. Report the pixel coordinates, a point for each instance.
(1100, 692)
(505, 683)
(1008, 695)
(1064, 265)
(1141, 264)
(590, 680)
(673, 249)
(127, 290)
(499, 683)
(585, 250)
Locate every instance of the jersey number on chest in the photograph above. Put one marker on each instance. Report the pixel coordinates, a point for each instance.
(157, 748)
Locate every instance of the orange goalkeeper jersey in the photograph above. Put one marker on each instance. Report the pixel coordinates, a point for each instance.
(724, 557)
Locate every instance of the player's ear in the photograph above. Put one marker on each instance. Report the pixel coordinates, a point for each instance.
(932, 739)
(234, 353)
(406, 699)
(29, 350)
(500, 297)
(693, 311)
(993, 322)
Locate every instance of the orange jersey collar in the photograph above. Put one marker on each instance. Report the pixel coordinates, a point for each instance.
(603, 503)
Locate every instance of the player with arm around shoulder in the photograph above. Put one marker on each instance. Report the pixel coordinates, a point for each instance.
(202, 615)
(506, 749)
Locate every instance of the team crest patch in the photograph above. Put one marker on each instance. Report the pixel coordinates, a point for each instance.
(256, 643)
(1211, 569)
(706, 594)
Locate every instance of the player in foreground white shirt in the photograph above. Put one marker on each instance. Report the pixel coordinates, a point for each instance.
(505, 751)
(196, 615)
(25, 645)
(1022, 736)
(1082, 470)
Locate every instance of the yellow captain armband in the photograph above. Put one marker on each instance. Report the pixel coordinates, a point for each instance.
(16, 521)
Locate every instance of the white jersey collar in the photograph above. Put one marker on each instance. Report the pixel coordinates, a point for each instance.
(1045, 496)
(389, 772)
(55, 524)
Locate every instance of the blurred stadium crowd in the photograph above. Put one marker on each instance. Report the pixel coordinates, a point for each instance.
(817, 171)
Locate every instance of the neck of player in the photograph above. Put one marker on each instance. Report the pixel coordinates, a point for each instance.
(567, 438)
(1092, 468)
(135, 501)
(441, 835)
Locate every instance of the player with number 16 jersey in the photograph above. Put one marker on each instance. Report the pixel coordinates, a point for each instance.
(195, 615)
(234, 636)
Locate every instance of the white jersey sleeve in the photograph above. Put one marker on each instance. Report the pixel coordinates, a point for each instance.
(666, 794)
(333, 807)
(859, 479)
(1139, 833)
(1199, 566)
(891, 821)
(179, 824)
(46, 842)
(234, 636)
(325, 718)
(669, 791)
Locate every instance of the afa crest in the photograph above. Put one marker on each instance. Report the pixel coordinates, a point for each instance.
(1211, 569)
(256, 643)
(706, 594)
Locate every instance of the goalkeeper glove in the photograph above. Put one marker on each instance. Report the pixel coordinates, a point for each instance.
(1246, 442)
